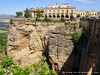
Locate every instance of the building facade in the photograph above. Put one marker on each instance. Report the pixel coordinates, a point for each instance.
(66, 11)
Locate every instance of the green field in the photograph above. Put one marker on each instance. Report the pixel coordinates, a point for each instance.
(4, 26)
(3, 31)
(3, 36)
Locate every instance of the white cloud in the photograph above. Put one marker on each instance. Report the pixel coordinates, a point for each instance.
(85, 1)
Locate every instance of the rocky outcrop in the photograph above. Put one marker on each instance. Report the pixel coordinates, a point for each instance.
(25, 42)
(28, 41)
(60, 47)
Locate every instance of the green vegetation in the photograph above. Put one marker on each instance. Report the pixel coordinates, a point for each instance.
(4, 26)
(3, 35)
(2, 72)
(37, 19)
(6, 62)
(40, 68)
(47, 20)
(39, 14)
(71, 23)
(62, 19)
(67, 34)
(76, 36)
(19, 14)
(43, 20)
(3, 41)
(27, 13)
(78, 16)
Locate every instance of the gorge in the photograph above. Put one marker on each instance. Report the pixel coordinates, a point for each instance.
(28, 41)
(69, 50)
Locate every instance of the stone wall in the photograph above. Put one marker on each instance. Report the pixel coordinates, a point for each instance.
(90, 53)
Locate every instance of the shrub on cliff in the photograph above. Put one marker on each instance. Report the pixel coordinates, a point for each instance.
(76, 36)
(62, 19)
(39, 68)
(6, 62)
(2, 72)
(37, 19)
(47, 20)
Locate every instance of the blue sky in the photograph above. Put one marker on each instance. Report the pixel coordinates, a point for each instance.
(11, 6)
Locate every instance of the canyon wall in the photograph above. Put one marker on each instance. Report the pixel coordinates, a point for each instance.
(28, 41)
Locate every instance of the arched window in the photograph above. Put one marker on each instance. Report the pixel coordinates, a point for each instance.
(71, 17)
(45, 16)
(54, 16)
(67, 11)
(50, 16)
(67, 16)
(58, 16)
(62, 16)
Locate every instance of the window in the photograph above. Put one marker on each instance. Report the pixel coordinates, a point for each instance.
(62, 16)
(67, 16)
(50, 16)
(62, 11)
(45, 16)
(58, 10)
(71, 11)
(66, 11)
(54, 16)
(58, 16)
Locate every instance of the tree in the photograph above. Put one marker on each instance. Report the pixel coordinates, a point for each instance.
(78, 16)
(19, 14)
(27, 13)
(39, 14)
(62, 19)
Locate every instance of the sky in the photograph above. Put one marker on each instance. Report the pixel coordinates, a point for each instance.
(12, 6)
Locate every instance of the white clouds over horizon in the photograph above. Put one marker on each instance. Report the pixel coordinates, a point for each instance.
(85, 1)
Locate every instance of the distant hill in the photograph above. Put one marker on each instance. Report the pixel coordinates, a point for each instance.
(4, 16)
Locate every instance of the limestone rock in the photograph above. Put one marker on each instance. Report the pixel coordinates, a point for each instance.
(59, 48)
(25, 43)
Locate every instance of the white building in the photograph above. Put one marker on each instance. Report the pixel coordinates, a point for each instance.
(66, 11)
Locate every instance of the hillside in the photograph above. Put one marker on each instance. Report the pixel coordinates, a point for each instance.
(5, 16)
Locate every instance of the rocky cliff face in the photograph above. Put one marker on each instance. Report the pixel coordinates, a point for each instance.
(27, 42)
(60, 47)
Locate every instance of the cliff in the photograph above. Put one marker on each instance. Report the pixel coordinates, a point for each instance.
(29, 41)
